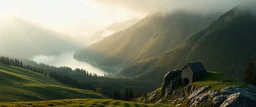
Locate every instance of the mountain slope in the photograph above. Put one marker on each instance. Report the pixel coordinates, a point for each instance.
(226, 46)
(20, 38)
(17, 84)
(113, 28)
(152, 36)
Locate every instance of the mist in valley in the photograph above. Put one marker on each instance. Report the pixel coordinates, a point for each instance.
(66, 59)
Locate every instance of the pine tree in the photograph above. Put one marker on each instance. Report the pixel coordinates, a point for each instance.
(248, 74)
(118, 94)
(131, 95)
(126, 94)
(114, 94)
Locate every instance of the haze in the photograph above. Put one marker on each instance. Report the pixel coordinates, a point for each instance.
(52, 28)
(80, 18)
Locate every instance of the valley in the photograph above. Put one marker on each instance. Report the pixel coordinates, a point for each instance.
(117, 53)
(66, 59)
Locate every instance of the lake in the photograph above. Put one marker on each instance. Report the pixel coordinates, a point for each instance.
(66, 59)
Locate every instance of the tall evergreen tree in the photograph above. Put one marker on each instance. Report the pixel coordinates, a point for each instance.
(248, 74)
(131, 95)
(126, 94)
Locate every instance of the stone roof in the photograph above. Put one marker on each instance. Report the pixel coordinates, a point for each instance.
(196, 66)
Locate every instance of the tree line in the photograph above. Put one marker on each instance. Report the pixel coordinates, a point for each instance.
(128, 95)
(249, 75)
(67, 76)
(57, 76)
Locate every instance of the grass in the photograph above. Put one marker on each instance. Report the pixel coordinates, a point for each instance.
(17, 84)
(87, 102)
(216, 81)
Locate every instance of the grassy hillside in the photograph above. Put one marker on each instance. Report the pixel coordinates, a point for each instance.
(216, 80)
(226, 46)
(17, 84)
(81, 103)
(151, 36)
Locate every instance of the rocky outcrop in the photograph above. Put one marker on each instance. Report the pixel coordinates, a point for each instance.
(212, 94)
(238, 100)
(194, 96)
(199, 99)
(219, 99)
(152, 97)
(197, 92)
(231, 96)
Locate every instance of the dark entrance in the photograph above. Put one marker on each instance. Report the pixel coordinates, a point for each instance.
(185, 81)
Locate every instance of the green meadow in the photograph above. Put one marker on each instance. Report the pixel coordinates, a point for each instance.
(17, 84)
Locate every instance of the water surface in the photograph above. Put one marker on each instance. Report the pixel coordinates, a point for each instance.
(66, 59)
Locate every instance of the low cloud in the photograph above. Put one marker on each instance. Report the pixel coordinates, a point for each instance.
(149, 6)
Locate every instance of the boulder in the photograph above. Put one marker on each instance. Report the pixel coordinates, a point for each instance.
(152, 97)
(212, 94)
(217, 100)
(238, 100)
(249, 91)
(159, 101)
(198, 91)
(231, 89)
(198, 99)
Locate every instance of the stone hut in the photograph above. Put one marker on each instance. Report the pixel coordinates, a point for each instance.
(192, 72)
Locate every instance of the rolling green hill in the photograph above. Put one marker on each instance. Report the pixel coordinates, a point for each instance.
(82, 103)
(151, 36)
(17, 84)
(227, 46)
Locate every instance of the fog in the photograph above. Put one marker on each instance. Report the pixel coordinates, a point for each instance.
(51, 29)
(23, 39)
(66, 59)
(149, 6)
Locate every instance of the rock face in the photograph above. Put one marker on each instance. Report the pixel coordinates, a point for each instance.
(231, 96)
(170, 81)
(238, 100)
(199, 99)
(199, 91)
(152, 97)
(219, 99)
(212, 94)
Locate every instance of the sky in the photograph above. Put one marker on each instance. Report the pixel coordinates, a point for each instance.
(75, 17)
(79, 18)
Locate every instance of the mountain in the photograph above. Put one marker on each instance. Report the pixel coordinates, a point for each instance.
(18, 84)
(226, 46)
(20, 38)
(115, 27)
(151, 36)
